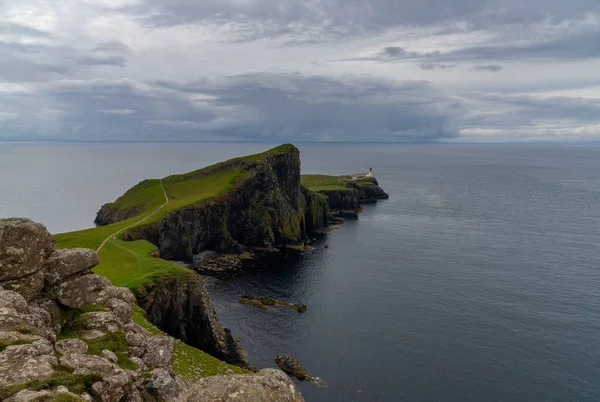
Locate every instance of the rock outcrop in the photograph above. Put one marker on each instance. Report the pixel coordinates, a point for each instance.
(266, 303)
(181, 307)
(267, 385)
(73, 338)
(267, 208)
(347, 202)
(292, 366)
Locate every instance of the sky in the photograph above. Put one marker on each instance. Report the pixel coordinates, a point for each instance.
(300, 70)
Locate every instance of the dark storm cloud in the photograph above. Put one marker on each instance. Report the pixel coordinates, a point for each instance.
(493, 68)
(333, 19)
(260, 106)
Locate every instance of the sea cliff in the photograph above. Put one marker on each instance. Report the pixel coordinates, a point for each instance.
(67, 334)
(238, 207)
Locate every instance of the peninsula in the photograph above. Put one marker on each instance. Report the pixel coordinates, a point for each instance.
(254, 203)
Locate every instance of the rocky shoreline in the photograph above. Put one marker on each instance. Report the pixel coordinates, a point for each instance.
(56, 314)
(67, 334)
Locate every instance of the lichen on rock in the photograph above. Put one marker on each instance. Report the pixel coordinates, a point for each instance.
(74, 338)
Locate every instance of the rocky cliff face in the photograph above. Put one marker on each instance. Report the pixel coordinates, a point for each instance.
(348, 200)
(267, 209)
(181, 307)
(67, 334)
(340, 201)
(368, 190)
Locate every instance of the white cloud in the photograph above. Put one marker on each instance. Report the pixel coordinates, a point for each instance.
(318, 69)
(122, 112)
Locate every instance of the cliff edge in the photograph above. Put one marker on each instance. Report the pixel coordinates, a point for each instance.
(67, 334)
(250, 202)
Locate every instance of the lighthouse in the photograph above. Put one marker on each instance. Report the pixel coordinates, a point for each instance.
(370, 172)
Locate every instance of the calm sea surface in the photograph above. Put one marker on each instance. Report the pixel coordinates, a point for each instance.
(479, 280)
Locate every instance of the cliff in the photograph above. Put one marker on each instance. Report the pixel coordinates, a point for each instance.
(250, 202)
(67, 334)
(180, 306)
(344, 193)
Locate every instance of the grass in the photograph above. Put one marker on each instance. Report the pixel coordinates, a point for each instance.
(59, 398)
(76, 383)
(130, 264)
(116, 343)
(188, 362)
(91, 238)
(4, 343)
(316, 182)
(70, 328)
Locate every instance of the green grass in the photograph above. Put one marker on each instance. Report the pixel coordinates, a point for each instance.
(316, 182)
(70, 328)
(91, 238)
(4, 343)
(59, 398)
(130, 264)
(116, 343)
(188, 362)
(76, 383)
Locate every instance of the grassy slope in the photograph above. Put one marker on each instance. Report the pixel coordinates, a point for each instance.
(130, 264)
(317, 182)
(189, 362)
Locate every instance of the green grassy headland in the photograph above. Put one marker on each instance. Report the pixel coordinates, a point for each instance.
(131, 264)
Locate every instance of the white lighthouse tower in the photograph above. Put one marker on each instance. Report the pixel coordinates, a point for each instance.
(370, 172)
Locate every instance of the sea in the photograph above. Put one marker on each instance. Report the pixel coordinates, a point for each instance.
(478, 280)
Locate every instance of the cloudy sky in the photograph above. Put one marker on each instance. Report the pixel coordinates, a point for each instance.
(300, 70)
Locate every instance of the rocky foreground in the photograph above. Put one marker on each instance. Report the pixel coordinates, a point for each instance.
(67, 334)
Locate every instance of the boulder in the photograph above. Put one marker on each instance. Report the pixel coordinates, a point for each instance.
(121, 309)
(71, 347)
(58, 315)
(113, 388)
(163, 386)
(24, 246)
(137, 344)
(60, 394)
(110, 356)
(29, 286)
(133, 396)
(21, 363)
(159, 351)
(68, 262)
(89, 364)
(16, 314)
(268, 385)
(99, 321)
(81, 291)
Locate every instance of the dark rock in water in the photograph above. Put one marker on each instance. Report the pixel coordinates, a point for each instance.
(181, 307)
(266, 302)
(335, 221)
(219, 264)
(350, 215)
(292, 366)
(254, 302)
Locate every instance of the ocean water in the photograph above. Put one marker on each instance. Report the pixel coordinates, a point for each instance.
(479, 280)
